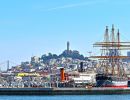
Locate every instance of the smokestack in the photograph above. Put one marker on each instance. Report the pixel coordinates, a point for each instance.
(81, 67)
(62, 74)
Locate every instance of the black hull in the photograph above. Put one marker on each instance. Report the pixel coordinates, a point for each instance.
(103, 80)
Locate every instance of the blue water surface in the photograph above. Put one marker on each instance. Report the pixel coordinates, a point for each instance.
(66, 97)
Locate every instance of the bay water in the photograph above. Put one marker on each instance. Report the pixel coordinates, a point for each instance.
(68, 97)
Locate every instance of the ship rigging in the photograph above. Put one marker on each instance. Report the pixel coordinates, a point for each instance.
(111, 60)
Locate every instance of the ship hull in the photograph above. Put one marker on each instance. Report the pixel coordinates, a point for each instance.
(111, 81)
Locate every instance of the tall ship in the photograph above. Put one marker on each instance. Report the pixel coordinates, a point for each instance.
(110, 68)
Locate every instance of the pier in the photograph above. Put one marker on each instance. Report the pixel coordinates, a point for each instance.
(63, 91)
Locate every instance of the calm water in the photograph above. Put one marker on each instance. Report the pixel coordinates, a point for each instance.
(87, 97)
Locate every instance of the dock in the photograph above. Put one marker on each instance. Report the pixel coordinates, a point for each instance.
(64, 91)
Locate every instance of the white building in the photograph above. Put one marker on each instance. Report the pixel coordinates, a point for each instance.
(85, 78)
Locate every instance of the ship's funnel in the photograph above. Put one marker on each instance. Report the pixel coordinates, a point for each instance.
(81, 67)
(62, 74)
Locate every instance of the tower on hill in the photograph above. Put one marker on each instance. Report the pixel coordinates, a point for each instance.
(68, 47)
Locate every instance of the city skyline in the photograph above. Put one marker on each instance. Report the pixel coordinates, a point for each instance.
(38, 27)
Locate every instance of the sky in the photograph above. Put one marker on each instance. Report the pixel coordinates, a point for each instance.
(35, 27)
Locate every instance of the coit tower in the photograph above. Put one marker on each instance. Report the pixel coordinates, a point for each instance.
(68, 46)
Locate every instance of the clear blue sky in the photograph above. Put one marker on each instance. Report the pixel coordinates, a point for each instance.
(35, 27)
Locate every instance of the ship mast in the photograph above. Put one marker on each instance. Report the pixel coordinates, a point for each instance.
(113, 49)
(106, 39)
(111, 52)
(118, 41)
